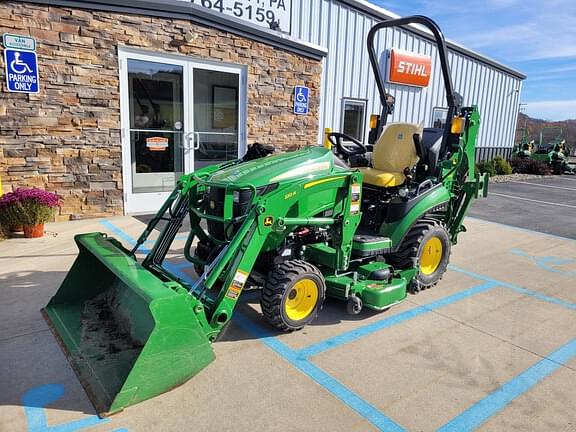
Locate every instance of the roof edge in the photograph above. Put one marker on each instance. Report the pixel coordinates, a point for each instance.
(381, 13)
(190, 11)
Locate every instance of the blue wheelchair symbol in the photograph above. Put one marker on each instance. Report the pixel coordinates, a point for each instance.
(35, 401)
(301, 94)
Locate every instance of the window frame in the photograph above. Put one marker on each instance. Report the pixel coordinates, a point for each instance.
(358, 102)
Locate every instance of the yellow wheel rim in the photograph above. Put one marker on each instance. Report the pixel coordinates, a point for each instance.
(431, 256)
(301, 300)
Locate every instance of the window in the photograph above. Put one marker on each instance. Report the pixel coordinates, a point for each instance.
(353, 118)
(439, 117)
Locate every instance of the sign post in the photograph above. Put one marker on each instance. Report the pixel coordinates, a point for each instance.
(301, 100)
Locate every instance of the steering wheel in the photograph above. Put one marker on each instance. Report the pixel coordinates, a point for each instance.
(352, 146)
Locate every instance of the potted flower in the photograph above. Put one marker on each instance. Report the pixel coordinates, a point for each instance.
(38, 207)
(11, 212)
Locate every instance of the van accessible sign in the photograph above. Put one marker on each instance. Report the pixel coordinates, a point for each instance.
(21, 64)
(19, 42)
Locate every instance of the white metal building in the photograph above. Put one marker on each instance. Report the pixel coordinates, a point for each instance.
(342, 26)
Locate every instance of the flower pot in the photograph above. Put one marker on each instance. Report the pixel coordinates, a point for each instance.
(16, 228)
(33, 231)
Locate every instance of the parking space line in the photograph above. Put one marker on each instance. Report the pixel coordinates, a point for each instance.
(496, 401)
(470, 419)
(369, 329)
(533, 200)
(543, 185)
(327, 381)
(516, 288)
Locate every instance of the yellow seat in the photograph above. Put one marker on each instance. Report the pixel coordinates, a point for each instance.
(383, 179)
(393, 153)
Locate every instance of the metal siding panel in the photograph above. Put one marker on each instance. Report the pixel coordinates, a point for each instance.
(347, 72)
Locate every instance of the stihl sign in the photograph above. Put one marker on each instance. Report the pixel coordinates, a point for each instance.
(409, 69)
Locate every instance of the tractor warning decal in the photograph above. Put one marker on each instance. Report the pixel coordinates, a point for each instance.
(237, 284)
(268, 221)
(355, 198)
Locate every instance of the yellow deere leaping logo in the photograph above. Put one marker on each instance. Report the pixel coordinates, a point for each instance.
(268, 221)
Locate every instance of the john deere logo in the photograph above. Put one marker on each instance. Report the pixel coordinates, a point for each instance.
(268, 221)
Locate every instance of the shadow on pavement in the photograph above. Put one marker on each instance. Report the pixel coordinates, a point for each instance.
(30, 358)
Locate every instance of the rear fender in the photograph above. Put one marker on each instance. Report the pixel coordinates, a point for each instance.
(430, 201)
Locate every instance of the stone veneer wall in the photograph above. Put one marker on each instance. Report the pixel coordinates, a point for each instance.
(67, 138)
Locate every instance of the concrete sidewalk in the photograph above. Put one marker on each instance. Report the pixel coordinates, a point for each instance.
(493, 347)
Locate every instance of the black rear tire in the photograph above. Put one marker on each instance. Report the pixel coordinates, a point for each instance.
(292, 295)
(426, 247)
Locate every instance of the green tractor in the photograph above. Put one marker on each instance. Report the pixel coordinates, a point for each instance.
(547, 146)
(554, 152)
(524, 148)
(299, 226)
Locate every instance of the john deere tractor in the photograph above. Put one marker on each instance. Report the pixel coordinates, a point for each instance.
(524, 148)
(364, 224)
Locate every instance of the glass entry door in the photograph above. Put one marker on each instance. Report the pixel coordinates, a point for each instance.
(216, 117)
(178, 115)
(156, 94)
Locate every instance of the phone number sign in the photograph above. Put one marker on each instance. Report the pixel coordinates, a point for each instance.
(275, 14)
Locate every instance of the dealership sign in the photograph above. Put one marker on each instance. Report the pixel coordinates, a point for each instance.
(409, 69)
(275, 14)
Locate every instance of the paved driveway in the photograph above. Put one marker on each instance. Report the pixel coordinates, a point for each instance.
(547, 205)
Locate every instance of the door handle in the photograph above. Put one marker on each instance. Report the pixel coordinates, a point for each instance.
(196, 140)
(187, 138)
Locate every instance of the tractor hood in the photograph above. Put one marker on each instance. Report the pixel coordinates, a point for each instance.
(310, 162)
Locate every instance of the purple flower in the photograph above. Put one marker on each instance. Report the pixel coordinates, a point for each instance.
(8, 199)
(39, 196)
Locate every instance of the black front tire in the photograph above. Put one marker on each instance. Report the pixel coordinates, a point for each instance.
(415, 249)
(292, 295)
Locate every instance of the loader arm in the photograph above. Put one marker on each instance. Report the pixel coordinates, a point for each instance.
(258, 230)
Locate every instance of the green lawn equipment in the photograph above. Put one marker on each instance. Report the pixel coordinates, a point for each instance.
(524, 148)
(300, 226)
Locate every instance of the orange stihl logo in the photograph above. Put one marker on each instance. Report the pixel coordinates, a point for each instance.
(409, 69)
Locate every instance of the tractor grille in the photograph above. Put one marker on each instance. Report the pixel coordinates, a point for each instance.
(214, 205)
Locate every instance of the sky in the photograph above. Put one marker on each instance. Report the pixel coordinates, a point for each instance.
(536, 37)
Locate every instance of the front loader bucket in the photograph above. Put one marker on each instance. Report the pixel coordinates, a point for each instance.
(128, 335)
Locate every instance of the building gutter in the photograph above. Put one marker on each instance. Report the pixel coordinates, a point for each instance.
(198, 14)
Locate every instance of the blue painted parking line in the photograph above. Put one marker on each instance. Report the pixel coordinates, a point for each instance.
(469, 420)
(123, 235)
(516, 288)
(37, 399)
(339, 390)
(335, 387)
(495, 402)
(369, 329)
(549, 263)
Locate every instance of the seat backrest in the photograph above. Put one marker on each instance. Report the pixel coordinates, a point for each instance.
(395, 149)
(432, 142)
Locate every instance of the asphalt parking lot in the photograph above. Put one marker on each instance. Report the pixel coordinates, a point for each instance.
(491, 348)
(547, 205)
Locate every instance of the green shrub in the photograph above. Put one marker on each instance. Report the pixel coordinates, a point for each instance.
(486, 167)
(530, 166)
(502, 166)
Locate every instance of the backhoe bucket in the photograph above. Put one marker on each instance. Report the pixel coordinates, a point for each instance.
(128, 335)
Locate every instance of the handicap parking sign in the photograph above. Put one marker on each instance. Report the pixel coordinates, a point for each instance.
(21, 71)
(301, 94)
